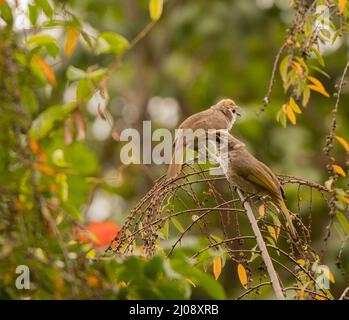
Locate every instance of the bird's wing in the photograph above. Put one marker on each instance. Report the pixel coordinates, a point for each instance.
(258, 173)
(275, 179)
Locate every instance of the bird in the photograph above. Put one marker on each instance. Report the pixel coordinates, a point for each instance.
(220, 116)
(250, 175)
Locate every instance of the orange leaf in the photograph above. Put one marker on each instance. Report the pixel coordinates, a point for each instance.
(35, 147)
(317, 86)
(301, 262)
(217, 267)
(242, 275)
(72, 40)
(46, 69)
(341, 5)
(43, 168)
(298, 68)
(102, 233)
(343, 142)
(338, 169)
(92, 281)
(290, 114)
(261, 210)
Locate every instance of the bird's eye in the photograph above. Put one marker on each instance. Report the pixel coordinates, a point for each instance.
(234, 111)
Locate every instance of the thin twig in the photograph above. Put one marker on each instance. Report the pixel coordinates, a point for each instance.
(253, 288)
(343, 295)
(266, 98)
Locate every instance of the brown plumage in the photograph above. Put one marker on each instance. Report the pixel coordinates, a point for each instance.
(252, 176)
(220, 116)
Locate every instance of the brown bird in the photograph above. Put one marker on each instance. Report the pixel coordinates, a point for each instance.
(219, 116)
(247, 173)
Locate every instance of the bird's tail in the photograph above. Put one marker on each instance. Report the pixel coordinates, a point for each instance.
(174, 169)
(288, 218)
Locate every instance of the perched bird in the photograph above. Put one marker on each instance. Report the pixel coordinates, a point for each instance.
(219, 116)
(247, 173)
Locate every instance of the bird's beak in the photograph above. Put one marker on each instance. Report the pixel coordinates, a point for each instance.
(238, 113)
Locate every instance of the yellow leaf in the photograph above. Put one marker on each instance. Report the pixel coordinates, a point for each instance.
(191, 282)
(301, 262)
(46, 69)
(342, 198)
(217, 267)
(72, 39)
(272, 232)
(155, 9)
(343, 142)
(290, 114)
(317, 86)
(242, 275)
(317, 297)
(277, 224)
(338, 169)
(341, 5)
(294, 106)
(91, 254)
(261, 210)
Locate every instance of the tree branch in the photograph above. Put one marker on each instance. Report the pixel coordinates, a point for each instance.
(264, 252)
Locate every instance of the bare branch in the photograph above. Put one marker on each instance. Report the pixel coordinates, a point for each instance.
(264, 252)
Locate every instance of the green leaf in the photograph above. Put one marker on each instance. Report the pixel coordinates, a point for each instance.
(154, 268)
(72, 211)
(41, 39)
(74, 73)
(97, 75)
(44, 40)
(47, 120)
(52, 50)
(155, 9)
(110, 42)
(204, 280)
(343, 221)
(177, 224)
(318, 56)
(320, 70)
(6, 13)
(55, 23)
(284, 69)
(281, 117)
(46, 7)
(29, 100)
(84, 90)
(34, 12)
(87, 38)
